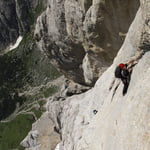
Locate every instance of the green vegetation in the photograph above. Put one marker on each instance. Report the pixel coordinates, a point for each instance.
(8, 101)
(50, 91)
(35, 63)
(30, 12)
(11, 78)
(12, 71)
(13, 132)
(38, 10)
(22, 69)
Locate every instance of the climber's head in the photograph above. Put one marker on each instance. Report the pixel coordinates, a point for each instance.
(122, 66)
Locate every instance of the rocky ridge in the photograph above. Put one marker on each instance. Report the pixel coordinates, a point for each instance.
(102, 118)
(82, 37)
(121, 121)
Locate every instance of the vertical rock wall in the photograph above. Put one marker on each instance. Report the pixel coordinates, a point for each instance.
(121, 122)
(82, 37)
(102, 118)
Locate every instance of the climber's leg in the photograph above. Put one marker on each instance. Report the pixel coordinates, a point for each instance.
(126, 84)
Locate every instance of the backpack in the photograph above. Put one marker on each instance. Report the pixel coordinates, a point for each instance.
(121, 73)
(118, 72)
(125, 73)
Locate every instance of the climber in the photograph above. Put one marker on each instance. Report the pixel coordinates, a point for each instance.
(123, 71)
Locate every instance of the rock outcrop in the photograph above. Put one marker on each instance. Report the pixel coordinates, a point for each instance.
(82, 37)
(120, 122)
(102, 118)
(8, 23)
(17, 18)
(43, 136)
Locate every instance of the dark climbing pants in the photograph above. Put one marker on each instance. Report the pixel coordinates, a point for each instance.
(126, 84)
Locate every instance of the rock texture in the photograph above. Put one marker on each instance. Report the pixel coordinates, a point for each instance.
(16, 18)
(42, 135)
(8, 23)
(121, 122)
(102, 118)
(82, 37)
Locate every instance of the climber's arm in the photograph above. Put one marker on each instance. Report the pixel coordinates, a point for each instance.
(131, 61)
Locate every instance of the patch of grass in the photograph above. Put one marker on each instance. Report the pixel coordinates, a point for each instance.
(12, 71)
(42, 102)
(29, 14)
(38, 113)
(12, 133)
(39, 110)
(8, 102)
(50, 91)
(21, 68)
(32, 14)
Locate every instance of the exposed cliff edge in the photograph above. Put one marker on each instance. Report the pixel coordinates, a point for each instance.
(82, 37)
(122, 122)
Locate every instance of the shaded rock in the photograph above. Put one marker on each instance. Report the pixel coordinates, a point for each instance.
(70, 88)
(8, 23)
(121, 122)
(31, 140)
(17, 18)
(91, 71)
(82, 35)
(52, 38)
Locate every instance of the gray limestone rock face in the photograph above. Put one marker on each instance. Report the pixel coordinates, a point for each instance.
(52, 37)
(102, 118)
(120, 122)
(42, 136)
(80, 34)
(31, 140)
